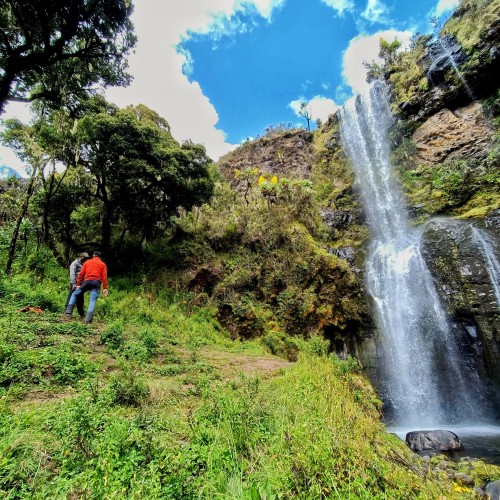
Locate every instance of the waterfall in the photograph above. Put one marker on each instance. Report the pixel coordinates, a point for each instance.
(487, 249)
(425, 378)
(444, 52)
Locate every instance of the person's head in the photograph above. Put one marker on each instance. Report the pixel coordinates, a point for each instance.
(97, 254)
(84, 256)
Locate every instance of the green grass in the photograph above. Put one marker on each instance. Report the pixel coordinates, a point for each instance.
(154, 400)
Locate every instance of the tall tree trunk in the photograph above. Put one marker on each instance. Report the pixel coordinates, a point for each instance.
(106, 228)
(106, 217)
(21, 216)
(50, 190)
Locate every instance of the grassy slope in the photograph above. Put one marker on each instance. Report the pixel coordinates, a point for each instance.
(154, 401)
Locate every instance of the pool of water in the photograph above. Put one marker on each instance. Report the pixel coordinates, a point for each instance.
(481, 441)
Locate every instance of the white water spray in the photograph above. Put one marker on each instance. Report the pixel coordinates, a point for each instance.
(487, 249)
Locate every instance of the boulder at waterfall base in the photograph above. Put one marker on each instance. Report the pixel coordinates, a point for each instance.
(437, 440)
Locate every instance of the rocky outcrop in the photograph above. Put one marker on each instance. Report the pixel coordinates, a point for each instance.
(493, 490)
(463, 133)
(287, 154)
(443, 54)
(437, 440)
(456, 76)
(335, 219)
(456, 258)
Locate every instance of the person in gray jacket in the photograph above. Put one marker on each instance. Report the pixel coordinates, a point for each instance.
(74, 270)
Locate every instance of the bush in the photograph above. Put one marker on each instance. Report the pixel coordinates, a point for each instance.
(149, 337)
(281, 344)
(112, 335)
(128, 388)
(455, 180)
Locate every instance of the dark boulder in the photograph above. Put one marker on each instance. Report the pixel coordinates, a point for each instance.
(347, 253)
(437, 440)
(335, 219)
(493, 490)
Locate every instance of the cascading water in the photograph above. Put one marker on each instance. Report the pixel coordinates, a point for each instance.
(487, 249)
(447, 53)
(424, 380)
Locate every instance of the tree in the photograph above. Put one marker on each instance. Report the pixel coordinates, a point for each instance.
(21, 138)
(305, 113)
(141, 175)
(59, 50)
(388, 52)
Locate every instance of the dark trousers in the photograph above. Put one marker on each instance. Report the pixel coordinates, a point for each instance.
(79, 301)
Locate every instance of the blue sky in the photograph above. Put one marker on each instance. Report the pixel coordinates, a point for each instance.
(220, 71)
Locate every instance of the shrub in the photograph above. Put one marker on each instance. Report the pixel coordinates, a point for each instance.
(149, 338)
(128, 388)
(112, 335)
(455, 180)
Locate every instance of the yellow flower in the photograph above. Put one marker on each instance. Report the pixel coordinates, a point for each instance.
(236, 171)
(255, 170)
(262, 179)
(460, 489)
(274, 180)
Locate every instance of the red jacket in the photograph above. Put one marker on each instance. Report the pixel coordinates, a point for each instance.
(93, 269)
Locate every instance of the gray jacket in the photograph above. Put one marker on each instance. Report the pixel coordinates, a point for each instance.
(74, 271)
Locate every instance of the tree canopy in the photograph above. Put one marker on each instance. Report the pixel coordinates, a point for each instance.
(73, 46)
(107, 177)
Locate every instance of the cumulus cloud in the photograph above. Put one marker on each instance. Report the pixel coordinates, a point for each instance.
(320, 107)
(21, 111)
(444, 6)
(376, 12)
(365, 48)
(340, 5)
(160, 70)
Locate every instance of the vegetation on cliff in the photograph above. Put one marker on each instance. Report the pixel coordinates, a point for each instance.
(175, 391)
(465, 181)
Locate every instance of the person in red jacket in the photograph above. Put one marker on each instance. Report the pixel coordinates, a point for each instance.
(93, 274)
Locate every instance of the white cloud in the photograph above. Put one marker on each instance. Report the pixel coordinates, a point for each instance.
(340, 5)
(160, 69)
(157, 67)
(319, 106)
(22, 112)
(444, 6)
(376, 12)
(365, 48)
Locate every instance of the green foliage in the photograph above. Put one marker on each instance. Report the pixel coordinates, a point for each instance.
(281, 344)
(112, 335)
(407, 78)
(455, 180)
(49, 59)
(52, 365)
(471, 21)
(128, 388)
(180, 425)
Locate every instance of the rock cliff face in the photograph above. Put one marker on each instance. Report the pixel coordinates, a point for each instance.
(287, 154)
(463, 133)
(456, 256)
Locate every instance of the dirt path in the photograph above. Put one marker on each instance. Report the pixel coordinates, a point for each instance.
(231, 364)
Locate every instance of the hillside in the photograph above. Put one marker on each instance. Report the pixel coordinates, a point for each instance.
(237, 353)
(155, 401)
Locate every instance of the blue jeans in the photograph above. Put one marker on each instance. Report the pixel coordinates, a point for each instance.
(92, 286)
(79, 300)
